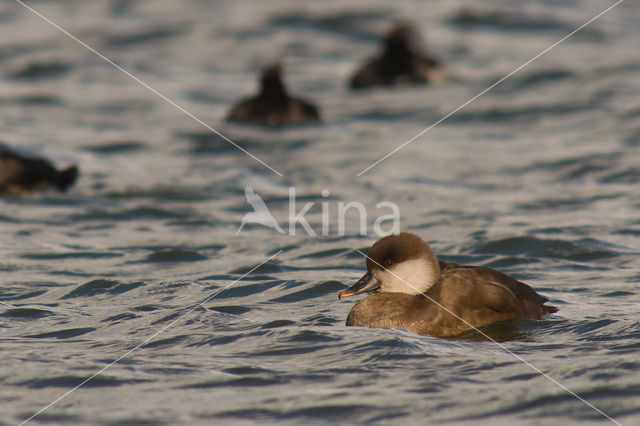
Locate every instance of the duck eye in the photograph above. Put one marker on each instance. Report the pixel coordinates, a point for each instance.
(388, 262)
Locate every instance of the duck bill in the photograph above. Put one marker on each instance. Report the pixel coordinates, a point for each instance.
(367, 283)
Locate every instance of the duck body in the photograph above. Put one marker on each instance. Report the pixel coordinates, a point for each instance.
(401, 62)
(459, 298)
(19, 173)
(273, 106)
(274, 112)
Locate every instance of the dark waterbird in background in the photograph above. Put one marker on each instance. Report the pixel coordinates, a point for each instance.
(273, 106)
(402, 61)
(19, 173)
(412, 290)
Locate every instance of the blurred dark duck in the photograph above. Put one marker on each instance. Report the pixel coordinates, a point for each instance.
(19, 173)
(402, 61)
(273, 106)
(411, 290)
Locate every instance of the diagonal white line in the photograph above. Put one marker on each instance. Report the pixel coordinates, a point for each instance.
(498, 343)
(148, 87)
(490, 87)
(147, 339)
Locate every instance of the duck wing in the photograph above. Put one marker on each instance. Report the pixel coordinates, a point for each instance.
(497, 291)
(533, 303)
(370, 74)
(243, 111)
(309, 111)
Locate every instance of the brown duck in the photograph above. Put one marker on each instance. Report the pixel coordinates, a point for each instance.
(273, 106)
(401, 61)
(412, 290)
(19, 173)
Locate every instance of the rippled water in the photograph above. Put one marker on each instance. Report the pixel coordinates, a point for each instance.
(538, 178)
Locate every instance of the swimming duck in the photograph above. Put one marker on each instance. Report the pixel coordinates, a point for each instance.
(273, 106)
(402, 61)
(411, 289)
(19, 173)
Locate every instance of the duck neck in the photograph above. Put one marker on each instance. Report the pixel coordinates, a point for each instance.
(423, 274)
(398, 52)
(272, 88)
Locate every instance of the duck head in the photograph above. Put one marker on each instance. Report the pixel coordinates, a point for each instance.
(402, 41)
(401, 263)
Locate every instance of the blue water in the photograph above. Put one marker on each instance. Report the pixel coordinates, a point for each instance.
(539, 178)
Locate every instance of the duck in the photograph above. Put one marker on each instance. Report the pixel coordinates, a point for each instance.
(411, 289)
(402, 61)
(273, 106)
(19, 173)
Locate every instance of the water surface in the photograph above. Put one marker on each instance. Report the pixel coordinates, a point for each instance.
(538, 178)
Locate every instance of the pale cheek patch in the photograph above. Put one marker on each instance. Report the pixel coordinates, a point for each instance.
(390, 283)
(411, 277)
(381, 276)
(393, 282)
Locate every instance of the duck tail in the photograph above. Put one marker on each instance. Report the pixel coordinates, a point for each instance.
(67, 177)
(538, 310)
